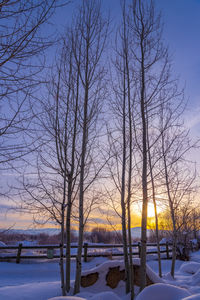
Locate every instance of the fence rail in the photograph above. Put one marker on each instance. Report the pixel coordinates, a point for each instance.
(50, 251)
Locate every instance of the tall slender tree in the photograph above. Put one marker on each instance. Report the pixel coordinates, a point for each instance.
(151, 69)
(90, 36)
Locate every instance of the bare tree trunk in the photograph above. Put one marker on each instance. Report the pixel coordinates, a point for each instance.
(81, 195)
(144, 170)
(123, 205)
(157, 232)
(91, 33)
(155, 206)
(61, 263)
(174, 244)
(130, 164)
(148, 55)
(70, 189)
(57, 129)
(172, 212)
(68, 235)
(129, 222)
(129, 189)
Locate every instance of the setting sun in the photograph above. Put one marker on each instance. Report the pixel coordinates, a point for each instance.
(151, 213)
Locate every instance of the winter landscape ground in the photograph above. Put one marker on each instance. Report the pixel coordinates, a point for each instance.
(39, 280)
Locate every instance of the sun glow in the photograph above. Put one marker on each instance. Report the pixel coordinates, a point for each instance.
(151, 211)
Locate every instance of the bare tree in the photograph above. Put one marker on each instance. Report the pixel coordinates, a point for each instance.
(22, 44)
(58, 156)
(121, 142)
(67, 133)
(88, 44)
(148, 61)
(150, 69)
(179, 179)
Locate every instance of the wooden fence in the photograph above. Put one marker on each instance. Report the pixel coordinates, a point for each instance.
(49, 251)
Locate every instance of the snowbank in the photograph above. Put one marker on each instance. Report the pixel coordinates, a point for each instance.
(193, 297)
(32, 291)
(190, 268)
(105, 296)
(67, 297)
(101, 285)
(195, 279)
(103, 268)
(163, 291)
(100, 296)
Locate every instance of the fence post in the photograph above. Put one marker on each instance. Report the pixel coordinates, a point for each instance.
(50, 253)
(85, 251)
(139, 249)
(167, 250)
(19, 253)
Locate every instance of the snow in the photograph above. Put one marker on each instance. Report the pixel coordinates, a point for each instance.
(194, 241)
(191, 267)
(195, 280)
(67, 297)
(163, 241)
(27, 243)
(12, 274)
(2, 244)
(193, 297)
(40, 279)
(103, 269)
(168, 292)
(31, 291)
(99, 296)
(105, 296)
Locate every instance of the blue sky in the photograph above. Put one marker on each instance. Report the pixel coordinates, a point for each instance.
(181, 33)
(181, 20)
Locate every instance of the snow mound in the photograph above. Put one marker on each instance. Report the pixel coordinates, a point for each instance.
(101, 285)
(103, 268)
(164, 291)
(99, 296)
(168, 276)
(105, 296)
(195, 279)
(153, 276)
(190, 268)
(193, 297)
(85, 295)
(67, 297)
(40, 290)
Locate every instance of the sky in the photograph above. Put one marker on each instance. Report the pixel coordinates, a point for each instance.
(181, 34)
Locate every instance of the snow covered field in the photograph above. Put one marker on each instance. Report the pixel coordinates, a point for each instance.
(39, 280)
